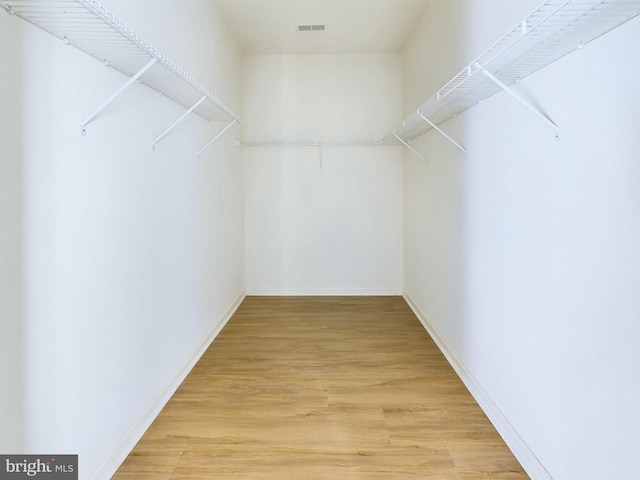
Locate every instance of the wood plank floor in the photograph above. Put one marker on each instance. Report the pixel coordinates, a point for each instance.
(322, 388)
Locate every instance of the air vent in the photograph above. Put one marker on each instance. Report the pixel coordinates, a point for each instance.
(312, 28)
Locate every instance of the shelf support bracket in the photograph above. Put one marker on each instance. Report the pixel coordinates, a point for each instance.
(86, 121)
(222, 132)
(178, 121)
(415, 152)
(519, 98)
(442, 132)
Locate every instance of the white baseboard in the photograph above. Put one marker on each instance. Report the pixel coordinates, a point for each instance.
(516, 444)
(319, 292)
(118, 454)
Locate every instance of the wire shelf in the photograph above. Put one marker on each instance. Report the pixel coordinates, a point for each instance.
(555, 29)
(88, 26)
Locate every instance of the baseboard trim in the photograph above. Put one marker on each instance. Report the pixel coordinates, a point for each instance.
(516, 444)
(119, 453)
(326, 292)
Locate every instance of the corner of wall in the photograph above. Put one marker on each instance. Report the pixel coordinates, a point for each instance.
(516, 444)
(125, 445)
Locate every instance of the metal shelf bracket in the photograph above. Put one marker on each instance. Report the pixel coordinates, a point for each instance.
(415, 152)
(178, 121)
(519, 98)
(222, 132)
(106, 103)
(442, 132)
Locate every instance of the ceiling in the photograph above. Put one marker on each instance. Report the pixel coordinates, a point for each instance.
(352, 26)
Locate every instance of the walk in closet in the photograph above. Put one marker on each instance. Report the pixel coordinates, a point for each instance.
(160, 161)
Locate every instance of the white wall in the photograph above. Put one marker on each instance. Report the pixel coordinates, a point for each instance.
(11, 243)
(323, 221)
(523, 256)
(130, 258)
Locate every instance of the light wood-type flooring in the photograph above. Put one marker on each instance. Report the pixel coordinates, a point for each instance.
(322, 388)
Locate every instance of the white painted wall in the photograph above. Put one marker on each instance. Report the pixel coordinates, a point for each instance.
(122, 261)
(11, 243)
(523, 257)
(323, 221)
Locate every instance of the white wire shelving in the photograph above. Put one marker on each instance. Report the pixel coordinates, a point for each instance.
(88, 26)
(553, 30)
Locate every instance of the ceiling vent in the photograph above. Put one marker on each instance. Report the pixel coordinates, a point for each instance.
(311, 28)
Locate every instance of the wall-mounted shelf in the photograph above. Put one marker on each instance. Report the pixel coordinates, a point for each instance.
(88, 26)
(555, 29)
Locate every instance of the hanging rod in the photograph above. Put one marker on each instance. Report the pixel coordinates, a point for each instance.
(553, 30)
(88, 26)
